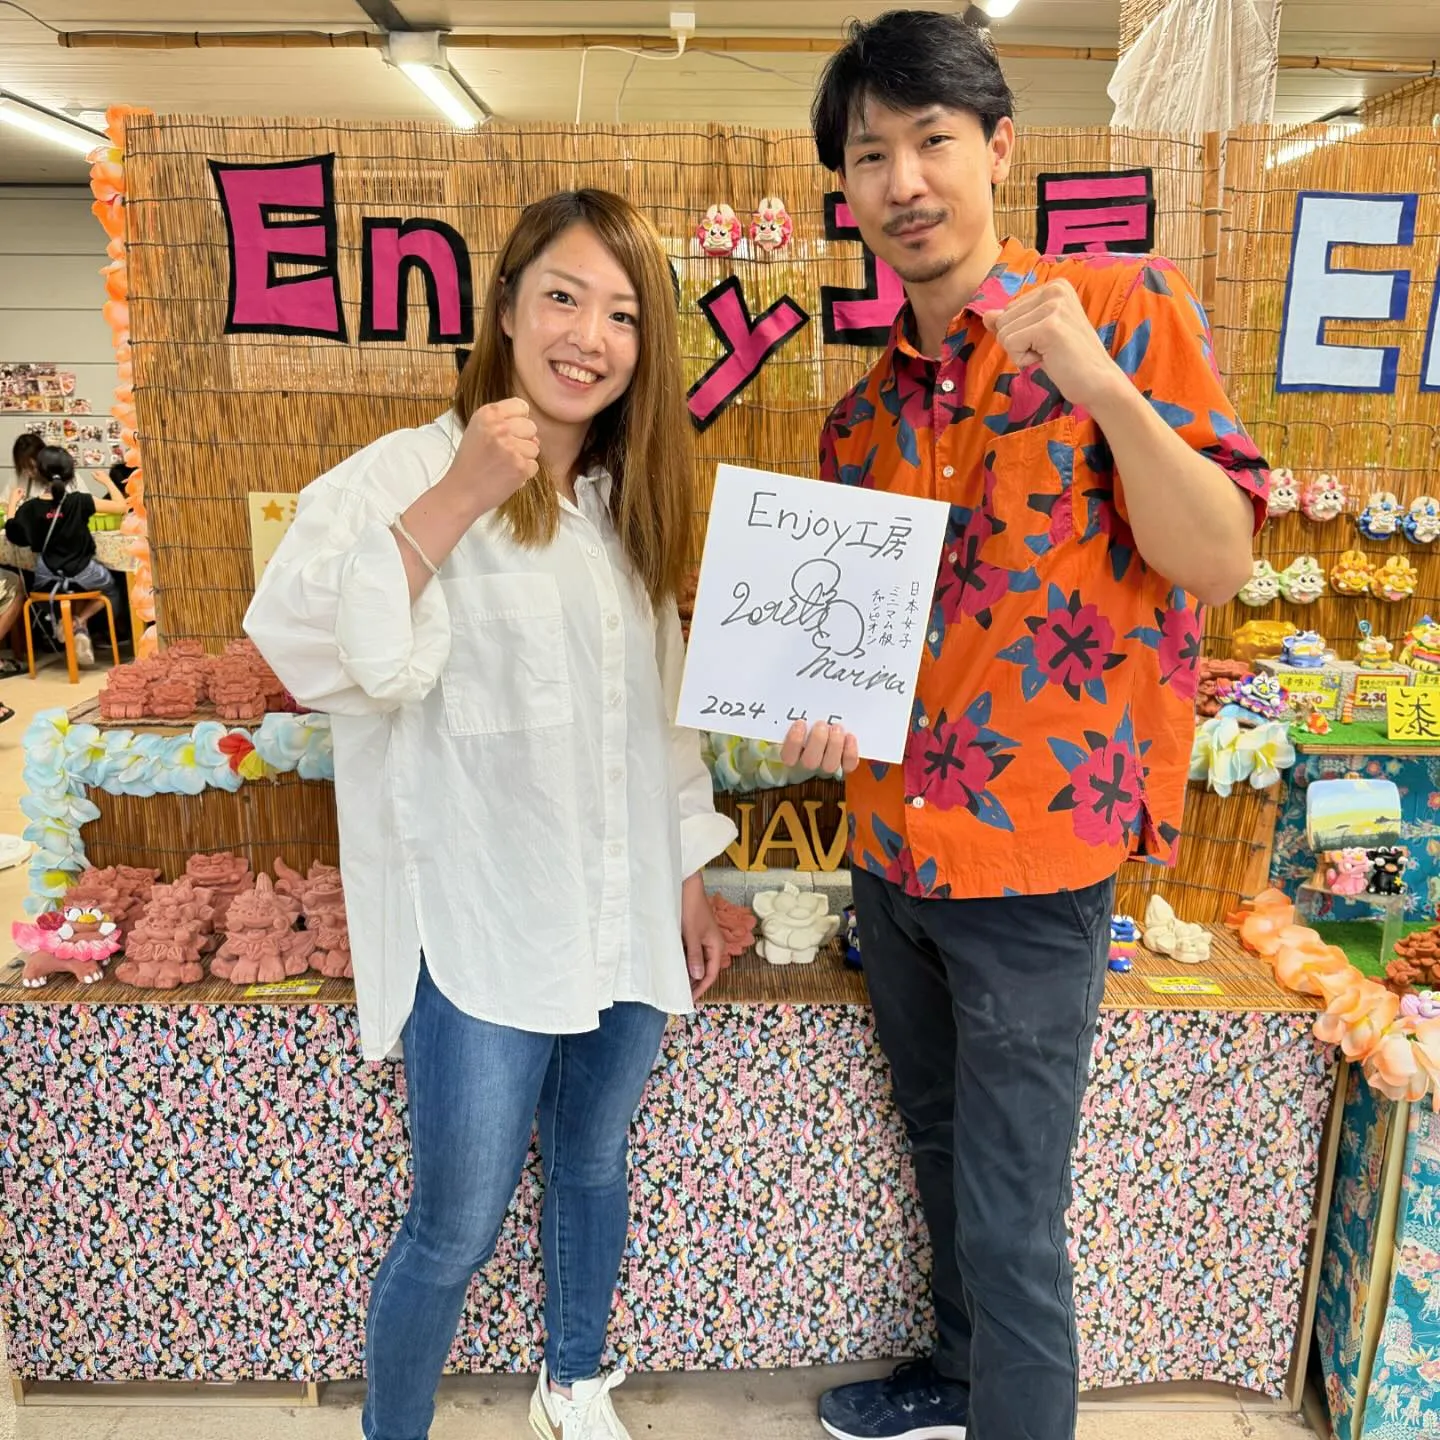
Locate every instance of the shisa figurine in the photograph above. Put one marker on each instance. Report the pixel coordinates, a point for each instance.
(1124, 943)
(261, 944)
(1395, 580)
(1260, 640)
(1302, 581)
(277, 698)
(1210, 677)
(125, 695)
(1167, 934)
(1305, 651)
(1284, 492)
(321, 898)
(164, 949)
(1388, 864)
(76, 941)
(1381, 516)
(1374, 651)
(121, 891)
(1261, 695)
(1416, 962)
(1421, 650)
(221, 876)
(770, 229)
(793, 925)
(1420, 1005)
(1322, 498)
(237, 690)
(1263, 585)
(1422, 524)
(737, 927)
(174, 698)
(1352, 573)
(1347, 872)
(719, 231)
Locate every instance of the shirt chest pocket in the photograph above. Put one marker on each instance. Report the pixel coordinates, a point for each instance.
(1028, 500)
(507, 669)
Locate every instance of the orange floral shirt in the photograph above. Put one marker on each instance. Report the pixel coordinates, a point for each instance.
(1053, 718)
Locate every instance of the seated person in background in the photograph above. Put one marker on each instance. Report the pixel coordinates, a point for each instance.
(22, 457)
(56, 526)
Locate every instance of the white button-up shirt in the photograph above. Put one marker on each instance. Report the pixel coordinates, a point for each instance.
(512, 794)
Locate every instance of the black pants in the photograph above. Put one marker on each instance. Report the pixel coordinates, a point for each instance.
(986, 1010)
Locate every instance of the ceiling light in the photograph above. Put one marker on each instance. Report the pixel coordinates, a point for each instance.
(35, 120)
(419, 56)
(997, 9)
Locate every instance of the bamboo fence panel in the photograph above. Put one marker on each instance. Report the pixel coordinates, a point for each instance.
(1415, 104)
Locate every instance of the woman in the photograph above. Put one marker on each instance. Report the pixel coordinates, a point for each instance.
(56, 526)
(485, 606)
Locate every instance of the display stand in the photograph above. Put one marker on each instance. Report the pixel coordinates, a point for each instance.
(202, 1186)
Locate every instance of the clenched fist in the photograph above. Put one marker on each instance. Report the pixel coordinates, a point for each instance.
(499, 452)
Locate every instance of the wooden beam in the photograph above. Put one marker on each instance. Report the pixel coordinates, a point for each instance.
(699, 44)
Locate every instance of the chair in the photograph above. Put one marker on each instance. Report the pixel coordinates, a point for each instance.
(65, 599)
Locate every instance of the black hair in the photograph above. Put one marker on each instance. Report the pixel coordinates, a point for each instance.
(908, 60)
(24, 451)
(57, 470)
(120, 472)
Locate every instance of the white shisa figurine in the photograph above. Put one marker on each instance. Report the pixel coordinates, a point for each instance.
(1167, 934)
(794, 924)
(1284, 492)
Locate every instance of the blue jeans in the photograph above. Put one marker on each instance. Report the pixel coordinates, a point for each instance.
(474, 1089)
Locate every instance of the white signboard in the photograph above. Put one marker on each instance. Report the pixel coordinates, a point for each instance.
(813, 605)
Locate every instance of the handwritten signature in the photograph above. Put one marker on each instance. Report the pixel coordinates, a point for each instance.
(835, 626)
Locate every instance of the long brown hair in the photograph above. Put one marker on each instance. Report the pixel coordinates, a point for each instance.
(643, 439)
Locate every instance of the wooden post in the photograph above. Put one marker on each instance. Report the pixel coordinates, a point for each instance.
(1212, 200)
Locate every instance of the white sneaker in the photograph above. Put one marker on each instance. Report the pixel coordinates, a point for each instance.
(84, 650)
(587, 1415)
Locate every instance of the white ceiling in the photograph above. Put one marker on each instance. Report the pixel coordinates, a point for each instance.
(771, 90)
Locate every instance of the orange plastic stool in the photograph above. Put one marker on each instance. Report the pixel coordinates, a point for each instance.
(65, 599)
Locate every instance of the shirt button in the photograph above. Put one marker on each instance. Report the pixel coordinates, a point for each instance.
(616, 774)
(947, 386)
(614, 851)
(948, 471)
(918, 802)
(592, 551)
(614, 700)
(923, 722)
(934, 637)
(954, 557)
(612, 622)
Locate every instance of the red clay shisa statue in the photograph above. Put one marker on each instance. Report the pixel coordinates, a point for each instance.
(1416, 965)
(125, 695)
(261, 942)
(174, 698)
(737, 925)
(237, 690)
(322, 898)
(119, 890)
(164, 949)
(222, 876)
(277, 697)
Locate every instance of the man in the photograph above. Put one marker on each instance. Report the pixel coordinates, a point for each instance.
(1101, 489)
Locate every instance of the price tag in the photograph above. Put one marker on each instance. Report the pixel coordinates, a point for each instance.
(283, 990)
(1325, 684)
(1183, 985)
(1371, 688)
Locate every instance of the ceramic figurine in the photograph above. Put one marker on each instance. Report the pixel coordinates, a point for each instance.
(74, 941)
(164, 949)
(852, 940)
(1263, 585)
(737, 928)
(1167, 934)
(322, 900)
(1284, 492)
(1316, 722)
(770, 228)
(121, 891)
(1347, 872)
(173, 699)
(237, 690)
(1261, 695)
(1422, 524)
(793, 925)
(1302, 582)
(1352, 573)
(221, 876)
(1388, 864)
(1124, 941)
(1421, 650)
(1260, 640)
(1210, 676)
(1374, 651)
(1380, 518)
(1395, 580)
(1322, 498)
(261, 944)
(1420, 1005)
(1305, 651)
(124, 695)
(719, 231)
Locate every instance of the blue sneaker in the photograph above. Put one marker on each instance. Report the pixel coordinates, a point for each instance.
(912, 1403)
